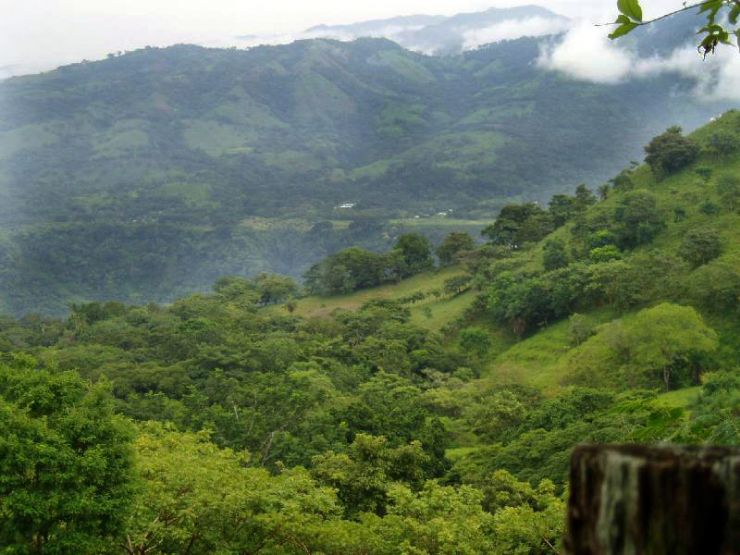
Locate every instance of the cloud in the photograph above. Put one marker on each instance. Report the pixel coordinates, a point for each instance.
(513, 29)
(717, 77)
(586, 53)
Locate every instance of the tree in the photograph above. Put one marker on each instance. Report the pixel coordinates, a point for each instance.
(66, 480)
(713, 33)
(554, 255)
(518, 224)
(639, 219)
(273, 288)
(416, 251)
(561, 208)
(665, 338)
(363, 475)
(455, 244)
(457, 284)
(663, 345)
(436, 520)
(670, 152)
(197, 498)
(584, 198)
(604, 254)
(723, 143)
(699, 246)
(728, 189)
(476, 341)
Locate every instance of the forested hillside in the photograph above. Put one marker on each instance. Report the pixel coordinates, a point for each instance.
(192, 163)
(434, 414)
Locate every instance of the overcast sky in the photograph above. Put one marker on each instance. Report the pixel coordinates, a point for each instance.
(40, 34)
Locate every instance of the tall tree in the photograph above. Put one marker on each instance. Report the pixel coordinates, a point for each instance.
(66, 480)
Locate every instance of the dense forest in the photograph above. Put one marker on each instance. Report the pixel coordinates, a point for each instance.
(400, 409)
(191, 163)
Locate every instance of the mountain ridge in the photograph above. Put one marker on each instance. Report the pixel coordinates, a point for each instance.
(164, 154)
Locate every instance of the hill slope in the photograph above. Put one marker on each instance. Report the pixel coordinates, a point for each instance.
(360, 431)
(137, 177)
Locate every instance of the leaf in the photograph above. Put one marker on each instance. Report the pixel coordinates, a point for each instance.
(734, 15)
(622, 30)
(630, 8)
(711, 6)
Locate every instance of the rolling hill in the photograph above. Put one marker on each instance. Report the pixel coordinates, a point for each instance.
(141, 177)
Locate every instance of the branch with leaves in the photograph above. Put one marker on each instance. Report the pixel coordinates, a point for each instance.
(714, 33)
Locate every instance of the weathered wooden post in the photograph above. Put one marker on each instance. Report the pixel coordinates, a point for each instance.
(654, 500)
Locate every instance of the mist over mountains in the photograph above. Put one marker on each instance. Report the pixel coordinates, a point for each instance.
(150, 174)
(451, 34)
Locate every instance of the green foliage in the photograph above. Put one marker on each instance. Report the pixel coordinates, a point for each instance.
(728, 189)
(454, 245)
(723, 144)
(554, 255)
(579, 329)
(198, 498)
(665, 344)
(638, 219)
(716, 31)
(714, 414)
(355, 268)
(416, 253)
(475, 340)
(518, 224)
(238, 172)
(457, 285)
(65, 463)
(670, 152)
(364, 474)
(699, 246)
(343, 426)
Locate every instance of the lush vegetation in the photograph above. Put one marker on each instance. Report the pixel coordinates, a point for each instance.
(147, 176)
(252, 419)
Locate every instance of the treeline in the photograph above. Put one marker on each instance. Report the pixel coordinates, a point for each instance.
(214, 425)
(356, 268)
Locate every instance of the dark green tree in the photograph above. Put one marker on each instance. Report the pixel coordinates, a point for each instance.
(416, 251)
(699, 246)
(670, 152)
(476, 341)
(723, 144)
(561, 208)
(554, 255)
(452, 246)
(638, 219)
(518, 224)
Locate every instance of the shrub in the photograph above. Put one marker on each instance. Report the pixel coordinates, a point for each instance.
(670, 152)
(699, 246)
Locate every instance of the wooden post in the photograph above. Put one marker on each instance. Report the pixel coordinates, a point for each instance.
(654, 500)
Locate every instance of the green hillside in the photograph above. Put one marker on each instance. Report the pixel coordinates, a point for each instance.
(703, 196)
(132, 177)
(434, 415)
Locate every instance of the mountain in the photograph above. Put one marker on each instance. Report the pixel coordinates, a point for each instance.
(450, 34)
(148, 175)
(409, 418)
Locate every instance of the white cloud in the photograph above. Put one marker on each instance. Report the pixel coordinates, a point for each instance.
(586, 53)
(513, 29)
(717, 77)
